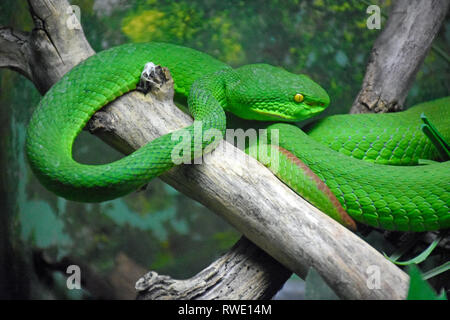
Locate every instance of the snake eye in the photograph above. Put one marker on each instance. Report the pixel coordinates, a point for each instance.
(298, 97)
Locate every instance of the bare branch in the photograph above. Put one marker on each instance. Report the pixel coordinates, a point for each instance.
(57, 45)
(52, 48)
(398, 54)
(15, 51)
(257, 274)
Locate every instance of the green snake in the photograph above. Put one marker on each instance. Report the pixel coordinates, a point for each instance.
(392, 197)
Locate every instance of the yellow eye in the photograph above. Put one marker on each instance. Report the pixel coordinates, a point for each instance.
(298, 97)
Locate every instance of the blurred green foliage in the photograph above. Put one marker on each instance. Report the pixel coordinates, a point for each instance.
(419, 289)
(160, 228)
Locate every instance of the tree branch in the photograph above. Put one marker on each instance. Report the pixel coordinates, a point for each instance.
(15, 51)
(398, 53)
(50, 50)
(258, 275)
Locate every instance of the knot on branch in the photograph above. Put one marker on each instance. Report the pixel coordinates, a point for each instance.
(150, 279)
(369, 101)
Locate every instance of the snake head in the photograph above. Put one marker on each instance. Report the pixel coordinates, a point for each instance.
(268, 93)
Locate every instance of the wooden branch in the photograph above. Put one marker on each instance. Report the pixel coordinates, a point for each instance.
(398, 53)
(235, 186)
(258, 274)
(50, 50)
(15, 51)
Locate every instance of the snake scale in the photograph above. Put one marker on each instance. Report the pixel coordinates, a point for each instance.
(377, 192)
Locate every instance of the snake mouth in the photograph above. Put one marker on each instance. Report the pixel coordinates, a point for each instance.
(315, 109)
(287, 112)
(308, 110)
(299, 115)
(276, 116)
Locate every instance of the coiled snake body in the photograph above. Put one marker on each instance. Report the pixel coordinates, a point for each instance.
(392, 197)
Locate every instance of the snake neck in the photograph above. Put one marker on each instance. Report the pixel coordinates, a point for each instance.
(208, 93)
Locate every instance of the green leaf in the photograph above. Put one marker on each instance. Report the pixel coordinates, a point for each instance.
(419, 289)
(435, 137)
(436, 271)
(420, 258)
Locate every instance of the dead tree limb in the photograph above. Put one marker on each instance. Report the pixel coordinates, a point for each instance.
(15, 51)
(258, 275)
(398, 53)
(50, 50)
